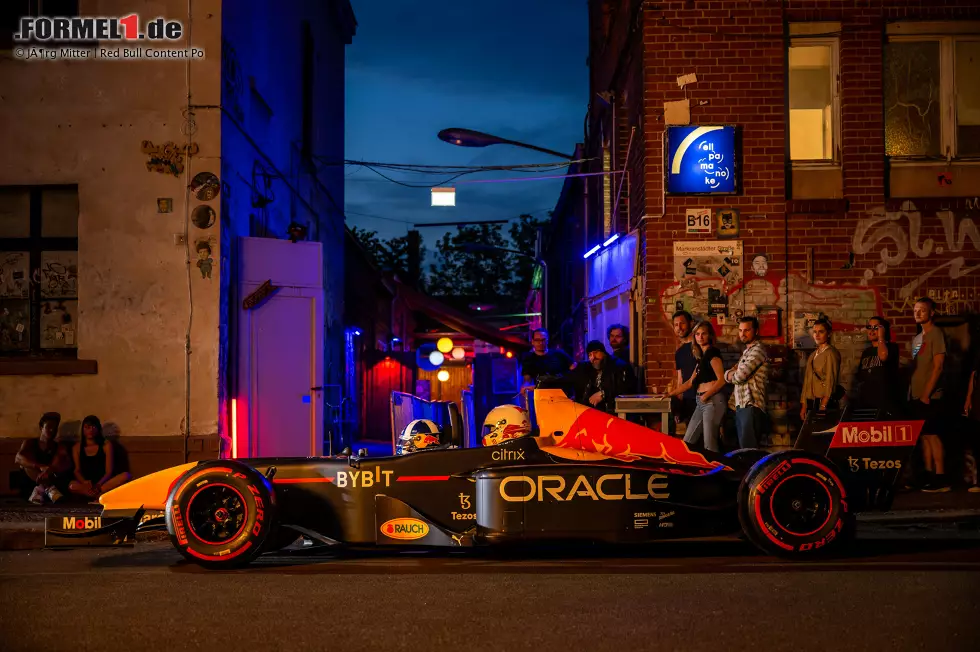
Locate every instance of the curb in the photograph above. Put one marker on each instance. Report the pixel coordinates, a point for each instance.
(919, 516)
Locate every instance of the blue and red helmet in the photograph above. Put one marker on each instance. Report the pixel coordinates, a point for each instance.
(418, 435)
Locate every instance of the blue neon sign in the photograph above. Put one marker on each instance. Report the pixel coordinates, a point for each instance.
(702, 159)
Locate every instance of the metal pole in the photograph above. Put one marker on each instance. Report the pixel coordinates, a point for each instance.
(538, 258)
(536, 148)
(544, 295)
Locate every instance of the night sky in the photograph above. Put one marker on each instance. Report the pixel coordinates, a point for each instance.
(514, 68)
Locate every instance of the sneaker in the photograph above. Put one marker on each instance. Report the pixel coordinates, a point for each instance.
(975, 489)
(936, 486)
(37, 496)
(54, 495)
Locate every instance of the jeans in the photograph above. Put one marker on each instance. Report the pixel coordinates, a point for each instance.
(706, 422)
(751, 425)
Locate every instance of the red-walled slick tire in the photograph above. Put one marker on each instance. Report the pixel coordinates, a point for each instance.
(221, 513)
(793, 504)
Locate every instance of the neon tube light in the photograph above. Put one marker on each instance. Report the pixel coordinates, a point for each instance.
(611, 240)
(592, 251)
(234, 428)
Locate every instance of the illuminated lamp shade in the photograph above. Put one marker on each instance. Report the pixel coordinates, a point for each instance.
(444, 344)
(458, 353)
(443, 375)
(443, 196)
(436, 358)
(422, 357)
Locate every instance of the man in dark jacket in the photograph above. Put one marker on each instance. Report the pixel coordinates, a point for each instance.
(613, 378)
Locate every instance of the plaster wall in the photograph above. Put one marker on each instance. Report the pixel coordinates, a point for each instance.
(84, 123)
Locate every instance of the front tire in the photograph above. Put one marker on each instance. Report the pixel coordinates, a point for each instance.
(221, 513)
(793, 504)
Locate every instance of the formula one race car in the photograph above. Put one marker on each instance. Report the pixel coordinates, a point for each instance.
(581, 474)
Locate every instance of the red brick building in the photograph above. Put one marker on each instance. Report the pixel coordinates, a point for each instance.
(859, 125)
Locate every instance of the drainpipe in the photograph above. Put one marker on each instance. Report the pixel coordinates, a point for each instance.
(190, 128)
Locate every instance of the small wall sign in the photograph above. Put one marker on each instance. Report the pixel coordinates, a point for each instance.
(699, 220)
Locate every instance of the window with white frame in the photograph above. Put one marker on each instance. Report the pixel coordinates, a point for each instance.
(814, 123)
(932, 97)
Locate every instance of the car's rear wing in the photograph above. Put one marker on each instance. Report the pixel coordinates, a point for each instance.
(869, 448)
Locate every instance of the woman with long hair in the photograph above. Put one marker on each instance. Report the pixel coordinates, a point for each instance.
(708, 379)
(822, 373)
(94, 462)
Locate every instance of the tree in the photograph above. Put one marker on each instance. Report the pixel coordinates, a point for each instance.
(387, 255)
(523, 235)
(481, 274)
(488, 276)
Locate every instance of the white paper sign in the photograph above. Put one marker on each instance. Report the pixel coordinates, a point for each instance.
(699, 220)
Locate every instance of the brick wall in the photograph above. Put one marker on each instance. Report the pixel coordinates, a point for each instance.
(900, 249)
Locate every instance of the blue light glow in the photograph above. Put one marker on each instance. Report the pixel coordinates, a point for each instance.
(611, 240)
(592, 251)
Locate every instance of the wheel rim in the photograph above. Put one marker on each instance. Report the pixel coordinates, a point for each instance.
(216, 514)
(801, 505)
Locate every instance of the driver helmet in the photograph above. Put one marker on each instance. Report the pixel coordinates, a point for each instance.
(417, 435)
(505, 422)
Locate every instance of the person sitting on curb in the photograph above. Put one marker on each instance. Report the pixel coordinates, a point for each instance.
(45, 462)
(94, 462)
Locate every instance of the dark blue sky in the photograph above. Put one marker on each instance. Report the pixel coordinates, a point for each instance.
(514, 68)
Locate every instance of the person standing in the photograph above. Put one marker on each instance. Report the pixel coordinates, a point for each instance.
(542, 362)
(928, 350)
(821, 375)
(971, 410)
(708, 380)
(682, 405)
(876, 382)
(619, 341)
(751, 379)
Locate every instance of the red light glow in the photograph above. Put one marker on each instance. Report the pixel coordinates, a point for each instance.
(234, 428)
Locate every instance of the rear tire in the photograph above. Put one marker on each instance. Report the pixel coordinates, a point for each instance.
(793, 504)
(220, 514)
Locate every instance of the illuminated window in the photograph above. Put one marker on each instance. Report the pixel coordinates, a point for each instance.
(813, 99)
(922, 76)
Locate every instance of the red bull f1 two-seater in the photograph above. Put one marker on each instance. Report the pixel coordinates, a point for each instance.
(582, 475)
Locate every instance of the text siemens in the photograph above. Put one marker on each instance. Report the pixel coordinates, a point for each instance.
(554, 486)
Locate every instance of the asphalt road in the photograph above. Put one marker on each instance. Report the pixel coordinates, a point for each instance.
(717, 595)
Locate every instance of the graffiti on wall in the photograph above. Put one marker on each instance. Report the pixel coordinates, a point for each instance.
(899, 233)
(848, 306)
(167, 158)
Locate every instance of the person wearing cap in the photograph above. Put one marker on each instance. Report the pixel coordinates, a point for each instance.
(45, 462)
(613, 378)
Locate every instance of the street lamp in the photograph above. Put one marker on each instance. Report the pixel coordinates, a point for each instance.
(474, 247)
(471, 138)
